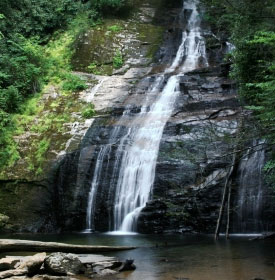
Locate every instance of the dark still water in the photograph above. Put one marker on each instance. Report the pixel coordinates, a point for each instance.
(181, 257)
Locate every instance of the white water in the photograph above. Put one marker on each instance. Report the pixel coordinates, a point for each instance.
(138, 150)
(94, 185)
(137, 170)
(250, 193)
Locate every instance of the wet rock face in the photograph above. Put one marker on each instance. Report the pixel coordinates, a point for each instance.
(73, 174)
(192, 165)
(194, 157)
(195, 151)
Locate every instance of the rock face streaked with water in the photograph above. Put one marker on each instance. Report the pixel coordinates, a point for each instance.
(159, 161)
(156, 156)
(137, 151)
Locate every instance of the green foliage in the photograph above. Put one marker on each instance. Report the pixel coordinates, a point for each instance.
(40, 17)
(117, 59)
(22, 66)
(110, 6)
(252, 30)
(36, 42)
(114, 28)
(42, 148)
(73, 83)
(8, 148)
(5, 119)
(93, 68)
(89, 111)
(10, 99)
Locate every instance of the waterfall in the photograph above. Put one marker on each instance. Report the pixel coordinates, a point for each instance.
(250, 190)
(137, 152)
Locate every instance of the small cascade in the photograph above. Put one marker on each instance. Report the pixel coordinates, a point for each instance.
(94, 185)
(136, 156)
(250, 190)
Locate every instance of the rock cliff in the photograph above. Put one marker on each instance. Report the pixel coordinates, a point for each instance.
(206, 128)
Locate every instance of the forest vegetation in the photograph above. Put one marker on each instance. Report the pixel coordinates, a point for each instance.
(250, 25)
(36, 42)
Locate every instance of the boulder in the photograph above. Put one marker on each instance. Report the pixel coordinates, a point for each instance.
(63, 264)
(33, 263)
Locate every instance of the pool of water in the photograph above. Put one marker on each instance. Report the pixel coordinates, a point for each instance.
(181, 257)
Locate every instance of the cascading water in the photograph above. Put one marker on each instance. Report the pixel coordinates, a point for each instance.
(137, 152)
(250, 194)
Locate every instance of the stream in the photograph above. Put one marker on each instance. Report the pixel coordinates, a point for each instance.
(180, 257)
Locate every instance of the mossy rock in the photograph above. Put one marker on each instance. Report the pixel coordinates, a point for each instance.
(4, 221)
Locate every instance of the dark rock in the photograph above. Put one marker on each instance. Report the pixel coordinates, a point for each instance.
(128, 265)
(264, 236)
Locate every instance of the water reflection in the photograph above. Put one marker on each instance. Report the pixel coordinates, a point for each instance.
(178, 257)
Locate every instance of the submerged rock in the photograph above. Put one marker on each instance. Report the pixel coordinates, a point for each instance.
(127, 266)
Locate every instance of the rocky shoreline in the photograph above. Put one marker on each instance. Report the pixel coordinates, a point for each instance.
(61, 266)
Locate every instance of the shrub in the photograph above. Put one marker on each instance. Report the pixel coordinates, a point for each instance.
(89, 111)
(10, 99)
(5, 119)
(73, 83)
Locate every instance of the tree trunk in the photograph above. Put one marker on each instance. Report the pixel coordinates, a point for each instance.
(225, 191)
(9, 245)
(228, 210)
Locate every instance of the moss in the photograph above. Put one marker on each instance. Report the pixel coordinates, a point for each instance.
(153, 35)
(96, 47)
(22, 203)
(4, 221)
(114, 28)
(176, 211)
